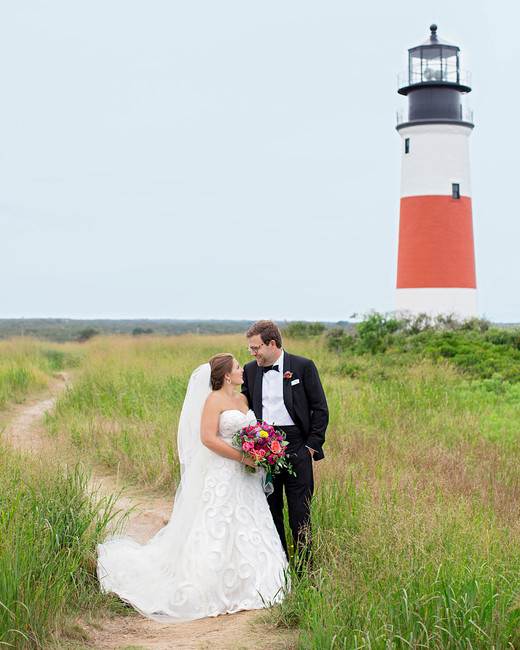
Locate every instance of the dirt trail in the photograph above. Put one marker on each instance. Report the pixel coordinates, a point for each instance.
(245, 630)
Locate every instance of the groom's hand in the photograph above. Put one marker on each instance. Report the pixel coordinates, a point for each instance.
(311, 451)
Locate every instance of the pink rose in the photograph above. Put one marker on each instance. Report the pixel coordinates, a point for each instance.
(276, 447)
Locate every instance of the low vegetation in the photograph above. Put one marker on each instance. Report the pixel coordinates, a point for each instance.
(70, 329)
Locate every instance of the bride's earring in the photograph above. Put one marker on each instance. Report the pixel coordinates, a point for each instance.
(228, 380)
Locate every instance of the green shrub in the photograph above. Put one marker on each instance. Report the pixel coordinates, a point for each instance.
(338, 340)
(503, 336)
(375, 333)
(140, 331)
(87, 333)
(303, 330)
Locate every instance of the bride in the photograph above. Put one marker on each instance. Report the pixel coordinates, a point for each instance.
(220, 552)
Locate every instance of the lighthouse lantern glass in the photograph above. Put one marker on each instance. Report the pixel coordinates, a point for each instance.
(433, 64)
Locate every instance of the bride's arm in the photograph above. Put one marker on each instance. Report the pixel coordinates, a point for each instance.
(208, 434)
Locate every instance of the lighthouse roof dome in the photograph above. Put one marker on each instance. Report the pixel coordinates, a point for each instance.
(433, 39)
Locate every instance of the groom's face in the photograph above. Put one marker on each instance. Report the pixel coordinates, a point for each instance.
(264, 353)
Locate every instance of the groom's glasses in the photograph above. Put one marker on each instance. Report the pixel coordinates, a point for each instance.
(254, 348)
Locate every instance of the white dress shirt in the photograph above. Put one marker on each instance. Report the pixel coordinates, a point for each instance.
(273, 406)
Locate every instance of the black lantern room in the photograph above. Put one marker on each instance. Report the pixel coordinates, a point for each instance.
(434, 84)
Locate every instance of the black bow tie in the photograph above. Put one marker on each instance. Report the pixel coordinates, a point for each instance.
(267, 368)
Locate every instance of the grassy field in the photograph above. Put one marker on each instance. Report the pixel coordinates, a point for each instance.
(416, 511)
(26, 366)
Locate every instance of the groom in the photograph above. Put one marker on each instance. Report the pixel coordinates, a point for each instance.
(285, 390)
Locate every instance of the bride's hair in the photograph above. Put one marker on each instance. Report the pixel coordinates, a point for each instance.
(220, 364)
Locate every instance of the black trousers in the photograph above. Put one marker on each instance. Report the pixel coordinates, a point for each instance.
(298, 492)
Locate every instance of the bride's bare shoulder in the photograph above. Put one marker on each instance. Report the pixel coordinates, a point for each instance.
(214, 399)
(212, 407)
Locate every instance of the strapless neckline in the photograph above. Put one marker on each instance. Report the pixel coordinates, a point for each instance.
(238, 411)
(233, 420)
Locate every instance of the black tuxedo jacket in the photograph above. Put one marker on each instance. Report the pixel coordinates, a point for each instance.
(303, 396)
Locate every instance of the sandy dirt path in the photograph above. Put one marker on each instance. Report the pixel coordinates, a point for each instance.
(24, 429)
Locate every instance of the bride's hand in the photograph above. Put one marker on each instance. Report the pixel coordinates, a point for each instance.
(249, 461)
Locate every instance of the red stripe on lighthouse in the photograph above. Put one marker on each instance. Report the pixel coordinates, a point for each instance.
(435, 243)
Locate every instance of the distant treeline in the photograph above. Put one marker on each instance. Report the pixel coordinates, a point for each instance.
(68, 329)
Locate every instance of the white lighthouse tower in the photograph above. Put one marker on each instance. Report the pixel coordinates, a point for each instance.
(436, 260)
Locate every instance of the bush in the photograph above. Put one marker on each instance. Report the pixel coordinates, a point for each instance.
(139, 331)
(420, 323)
(375, 333)
(503, 336)
(338, 340)
(302, 330)
(87, 333)
(451, 322)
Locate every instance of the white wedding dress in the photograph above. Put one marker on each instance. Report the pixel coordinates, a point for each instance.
(220, 552)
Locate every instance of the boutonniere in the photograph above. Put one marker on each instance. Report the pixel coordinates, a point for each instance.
(287, 375)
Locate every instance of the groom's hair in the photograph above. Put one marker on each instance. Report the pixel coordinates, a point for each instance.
(268, 330)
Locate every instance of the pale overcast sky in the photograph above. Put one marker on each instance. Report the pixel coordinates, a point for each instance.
(205, 159)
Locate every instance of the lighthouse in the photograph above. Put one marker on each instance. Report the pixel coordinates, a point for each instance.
(436, 259)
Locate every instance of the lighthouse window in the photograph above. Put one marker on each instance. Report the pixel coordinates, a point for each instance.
(455, 191)
(407, 145)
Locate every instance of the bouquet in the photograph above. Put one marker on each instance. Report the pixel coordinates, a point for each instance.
(265, 445)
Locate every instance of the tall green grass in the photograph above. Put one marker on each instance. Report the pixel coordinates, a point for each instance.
(48, 530)
(406, 569)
